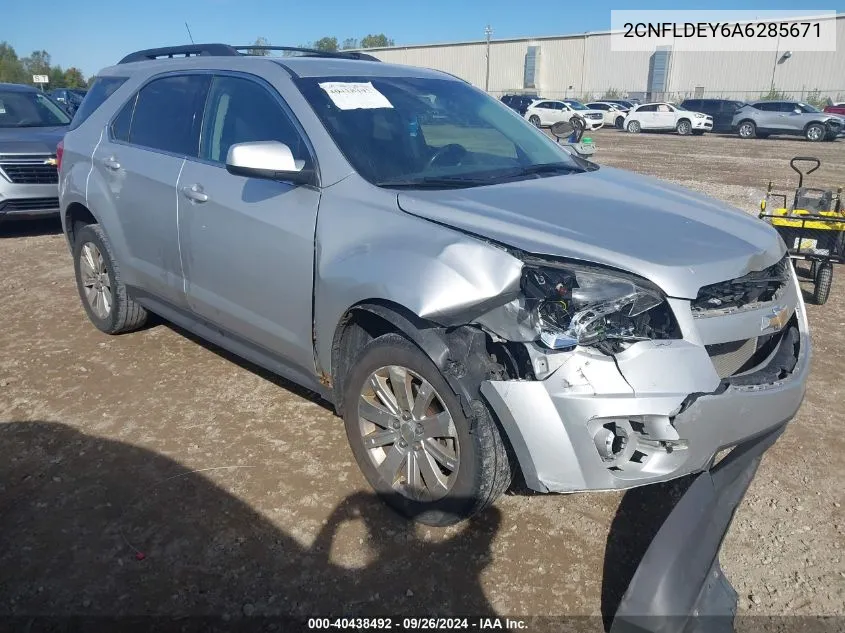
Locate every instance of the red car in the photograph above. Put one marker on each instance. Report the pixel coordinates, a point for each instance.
(836, 108)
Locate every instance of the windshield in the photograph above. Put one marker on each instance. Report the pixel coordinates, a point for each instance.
(29, 109)
(406, 131)
(678, 107)
(575, 105)
(808, 108)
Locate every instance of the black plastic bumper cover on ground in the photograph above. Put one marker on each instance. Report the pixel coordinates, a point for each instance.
(679, 586)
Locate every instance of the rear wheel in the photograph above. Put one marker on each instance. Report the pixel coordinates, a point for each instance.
(534, 120)
(413, 442)
(684, 127)
(101, 286)
(747, 129)
(634, 127)
(815, 132)
(824, 279)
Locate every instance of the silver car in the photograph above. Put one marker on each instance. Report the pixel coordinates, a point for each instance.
(473, 300)
(31, 126)
(793, 118)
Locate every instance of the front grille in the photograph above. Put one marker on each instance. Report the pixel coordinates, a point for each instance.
(594, 116)
(729, 357)
(29, 204)
(754, 288)
(31, 172)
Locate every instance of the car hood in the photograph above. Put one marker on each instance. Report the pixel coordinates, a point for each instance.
(678, 239)
(31, 140)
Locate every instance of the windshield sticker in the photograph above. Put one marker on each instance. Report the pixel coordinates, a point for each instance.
(355, 96)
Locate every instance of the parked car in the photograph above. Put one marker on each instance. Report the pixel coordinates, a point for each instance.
(667, 116)
(31, 125)
(793, 118)
(721, 110)
(70, 98)
(465, 293)
(519, 103)
(627, 104)
(613, 113)
(545, 113)
(836, 108)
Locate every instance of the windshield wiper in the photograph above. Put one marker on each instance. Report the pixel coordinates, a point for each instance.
(542, 168)
(434, 182)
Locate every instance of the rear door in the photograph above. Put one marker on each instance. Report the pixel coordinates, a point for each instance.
(769, 116)
(248, 243)
(139, 157)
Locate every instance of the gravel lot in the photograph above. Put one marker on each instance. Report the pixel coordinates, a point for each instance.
(153, 473)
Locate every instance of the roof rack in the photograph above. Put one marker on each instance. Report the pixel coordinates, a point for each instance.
(225, 50)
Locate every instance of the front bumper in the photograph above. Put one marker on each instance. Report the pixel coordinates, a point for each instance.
(667, 407)
(594, 124)
(702, 124)
(28, 200)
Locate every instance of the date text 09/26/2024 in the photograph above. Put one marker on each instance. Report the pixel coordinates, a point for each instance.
(417, 624)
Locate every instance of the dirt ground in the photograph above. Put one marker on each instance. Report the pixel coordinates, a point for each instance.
(152, 473)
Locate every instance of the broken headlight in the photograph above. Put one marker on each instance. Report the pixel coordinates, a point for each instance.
(579, 305)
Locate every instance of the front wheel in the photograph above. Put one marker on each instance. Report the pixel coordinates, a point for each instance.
(684, 127)
(534, 120)
(413, 442)
(620, 122)
(815, 132)
(634, 127)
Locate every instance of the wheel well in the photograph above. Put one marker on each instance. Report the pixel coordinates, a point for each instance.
(806, 127)
(77, 216)
(684, 119)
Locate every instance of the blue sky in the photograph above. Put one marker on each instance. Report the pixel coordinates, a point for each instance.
(91, 34)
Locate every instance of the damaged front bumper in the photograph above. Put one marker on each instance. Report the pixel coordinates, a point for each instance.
(656, 411)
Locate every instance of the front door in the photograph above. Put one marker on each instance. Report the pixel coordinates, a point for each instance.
(248, 243)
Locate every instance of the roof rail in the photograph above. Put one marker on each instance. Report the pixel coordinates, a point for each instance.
(190, 50)
(225, 50)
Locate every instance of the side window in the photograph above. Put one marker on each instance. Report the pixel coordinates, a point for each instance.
(168, 114)
(663, 108)
(766, 107)
(122, 122)
(241, 111)
(101, 89)
(543, 105)
(647, 108)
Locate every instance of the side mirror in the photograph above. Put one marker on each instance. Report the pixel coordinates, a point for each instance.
(797, 111)
(270, 160)
(562, 129)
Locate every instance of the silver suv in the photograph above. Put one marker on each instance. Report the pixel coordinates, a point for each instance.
(765, 118)
(473, 300)
(31, 125)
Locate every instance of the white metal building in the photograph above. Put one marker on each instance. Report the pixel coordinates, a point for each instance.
(583, 66)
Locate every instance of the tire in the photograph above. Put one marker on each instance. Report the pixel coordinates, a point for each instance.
(815, 132)
(634, 127)
(620, 122)
(100, 285)
(746, 129)
(482, 469)
(684, 127)
(534, 120)
(824, 279)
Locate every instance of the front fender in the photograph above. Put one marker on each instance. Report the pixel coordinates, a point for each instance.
(373, 251)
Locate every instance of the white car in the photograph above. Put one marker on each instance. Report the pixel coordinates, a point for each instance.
(547, 112)
(613, 113)
(667, 116)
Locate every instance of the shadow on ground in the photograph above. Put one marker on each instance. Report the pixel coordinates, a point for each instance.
(29, 228)
(97, 527)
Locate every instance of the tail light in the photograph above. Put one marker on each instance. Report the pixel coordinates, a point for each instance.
(60, 149)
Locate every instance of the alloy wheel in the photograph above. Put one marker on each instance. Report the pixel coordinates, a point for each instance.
(95, 280)
(408, 433)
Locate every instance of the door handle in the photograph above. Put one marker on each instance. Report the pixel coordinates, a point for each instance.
(194, 193)
(111, 163)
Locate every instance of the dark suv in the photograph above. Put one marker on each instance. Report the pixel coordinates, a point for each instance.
(519, 103)
(722, 111)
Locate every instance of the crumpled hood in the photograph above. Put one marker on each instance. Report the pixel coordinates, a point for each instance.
(30, 140)
(676, 238)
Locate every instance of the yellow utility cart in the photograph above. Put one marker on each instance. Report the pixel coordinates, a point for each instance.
(812, 226)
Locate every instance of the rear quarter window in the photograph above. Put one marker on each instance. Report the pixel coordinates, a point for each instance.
(100, 90)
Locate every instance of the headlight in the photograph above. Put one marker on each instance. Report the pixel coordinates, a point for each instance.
(698, 115)
(580, 305)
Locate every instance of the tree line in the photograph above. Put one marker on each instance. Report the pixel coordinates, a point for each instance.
(19, 70)
(331, 44)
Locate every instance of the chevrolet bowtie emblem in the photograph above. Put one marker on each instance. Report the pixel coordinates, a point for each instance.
(775, 320)
(51, 161)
